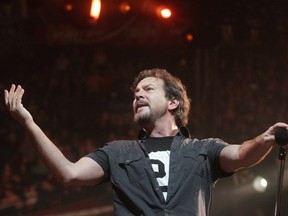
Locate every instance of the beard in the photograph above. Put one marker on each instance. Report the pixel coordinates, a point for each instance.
(144, 119)
(148, 118)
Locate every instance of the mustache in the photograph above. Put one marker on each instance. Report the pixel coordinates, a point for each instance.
(141, 103)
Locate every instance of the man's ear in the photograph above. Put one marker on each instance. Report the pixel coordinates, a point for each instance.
(173, 104)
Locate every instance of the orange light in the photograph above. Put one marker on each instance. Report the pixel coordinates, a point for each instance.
(189, 37)
(68, 7)
(124, 7)
(164, 12)
(95, 9)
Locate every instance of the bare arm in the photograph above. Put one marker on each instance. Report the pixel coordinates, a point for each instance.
(250, 152)
(84, 171)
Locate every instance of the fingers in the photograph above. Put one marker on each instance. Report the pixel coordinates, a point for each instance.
(280, 124)
(269, 135)
(8, 94)
(277, 125)
(18, 95)
(13, 97)
(273, 128)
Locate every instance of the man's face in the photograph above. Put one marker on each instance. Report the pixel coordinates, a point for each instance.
(149, 102)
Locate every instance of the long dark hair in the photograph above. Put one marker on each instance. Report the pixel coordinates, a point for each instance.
(174, 89)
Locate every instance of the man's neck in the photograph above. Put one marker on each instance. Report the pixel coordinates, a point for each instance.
(162, 130)
(163, 133)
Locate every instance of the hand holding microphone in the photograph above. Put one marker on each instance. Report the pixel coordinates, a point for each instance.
(281, 136)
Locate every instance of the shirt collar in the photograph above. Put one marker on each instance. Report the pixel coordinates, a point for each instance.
(142, 134)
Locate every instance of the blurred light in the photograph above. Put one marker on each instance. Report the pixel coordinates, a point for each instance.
(189, 37)
(95, 9)
(260, 184)
(164, 12)
(68, 7)
(124, 7)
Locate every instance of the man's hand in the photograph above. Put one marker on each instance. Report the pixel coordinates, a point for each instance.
(269, 135)
(13, 101)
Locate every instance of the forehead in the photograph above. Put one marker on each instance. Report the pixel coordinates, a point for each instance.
(151, 81)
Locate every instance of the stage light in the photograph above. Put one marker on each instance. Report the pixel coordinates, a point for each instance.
(124, 7)
(189, 37)
(95, 9)
(164, 12)
(260, 184)
(68, 7)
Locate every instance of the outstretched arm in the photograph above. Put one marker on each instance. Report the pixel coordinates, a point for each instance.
(84, 171)
(250, 152)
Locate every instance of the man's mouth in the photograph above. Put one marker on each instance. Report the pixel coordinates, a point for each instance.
(140, 105)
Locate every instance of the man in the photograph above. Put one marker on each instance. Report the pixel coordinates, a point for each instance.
(164, 171)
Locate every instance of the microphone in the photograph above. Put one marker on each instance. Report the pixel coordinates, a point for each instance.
(281, 136)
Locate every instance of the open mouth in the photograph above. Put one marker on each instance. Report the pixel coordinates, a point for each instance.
(140, 105)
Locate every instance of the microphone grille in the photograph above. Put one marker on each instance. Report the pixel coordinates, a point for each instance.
(281, 136)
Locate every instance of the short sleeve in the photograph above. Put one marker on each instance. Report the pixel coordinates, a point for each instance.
(215, 148)
(102, 159)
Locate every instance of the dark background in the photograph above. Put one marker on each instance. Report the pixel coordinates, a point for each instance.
(77, 75)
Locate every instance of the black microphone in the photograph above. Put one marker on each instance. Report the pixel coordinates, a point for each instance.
(281, 136)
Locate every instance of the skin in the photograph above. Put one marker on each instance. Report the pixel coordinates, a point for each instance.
(64, 170)
(152, 110)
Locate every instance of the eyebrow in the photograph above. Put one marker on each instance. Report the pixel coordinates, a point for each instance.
(145, 86)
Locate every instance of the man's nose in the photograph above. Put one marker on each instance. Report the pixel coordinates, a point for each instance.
(139, 94)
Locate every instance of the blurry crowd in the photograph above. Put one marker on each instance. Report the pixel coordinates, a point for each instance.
(80, 96)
